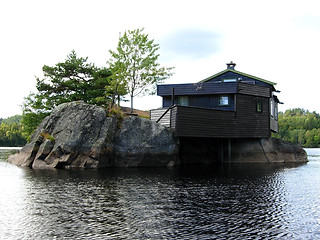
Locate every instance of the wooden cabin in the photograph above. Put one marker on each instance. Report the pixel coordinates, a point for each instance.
(229, 104)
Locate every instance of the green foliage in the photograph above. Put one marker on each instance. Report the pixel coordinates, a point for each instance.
(30, 121)
(134, 64)
(133, 69)
(299, 126)
(11, 132)
(72, 80)
(11, 120)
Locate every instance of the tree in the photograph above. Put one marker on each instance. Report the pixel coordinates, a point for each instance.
(11, 132)
(134, 64)
(299, 126)
(72, 80)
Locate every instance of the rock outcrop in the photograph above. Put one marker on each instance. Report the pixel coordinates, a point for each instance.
(269, 150)
(79, 135)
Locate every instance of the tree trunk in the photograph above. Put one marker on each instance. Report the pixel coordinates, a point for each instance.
(114, 95)
(131, 110)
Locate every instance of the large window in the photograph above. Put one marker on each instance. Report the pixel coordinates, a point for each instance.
(223, 100)
(183, 101)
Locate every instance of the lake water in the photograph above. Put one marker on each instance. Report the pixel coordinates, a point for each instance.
(264, 201)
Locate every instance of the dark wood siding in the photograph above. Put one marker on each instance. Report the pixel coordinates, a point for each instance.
(255, 90)
(246, 122)
(251, 123)
(174, 116)
(201, 122)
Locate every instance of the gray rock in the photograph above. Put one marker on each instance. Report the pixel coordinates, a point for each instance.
(270, 150)
(79, 135)
(141, 142)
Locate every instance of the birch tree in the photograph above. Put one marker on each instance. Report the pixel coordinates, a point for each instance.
(135, 64)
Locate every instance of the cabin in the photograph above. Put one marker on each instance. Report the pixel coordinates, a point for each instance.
(229, 104)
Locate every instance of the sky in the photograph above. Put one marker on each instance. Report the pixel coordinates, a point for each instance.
(277, 40)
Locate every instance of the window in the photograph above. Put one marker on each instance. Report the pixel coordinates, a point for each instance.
(223, 101)
(229, 80)
(259, 106)
(183, 100)
(272, 107)
(276, 111)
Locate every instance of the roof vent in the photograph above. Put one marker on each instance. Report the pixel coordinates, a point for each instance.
(231, 65)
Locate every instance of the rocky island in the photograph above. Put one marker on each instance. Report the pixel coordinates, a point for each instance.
(79, 135)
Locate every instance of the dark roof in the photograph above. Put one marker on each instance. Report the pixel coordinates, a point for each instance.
(241, 73)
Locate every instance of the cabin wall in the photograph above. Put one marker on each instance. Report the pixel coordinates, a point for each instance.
(246, 122)
(250, 122)
(203, 122)
(255, 90)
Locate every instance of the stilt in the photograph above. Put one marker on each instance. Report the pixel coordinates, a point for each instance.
(221, 151)
(229, 150)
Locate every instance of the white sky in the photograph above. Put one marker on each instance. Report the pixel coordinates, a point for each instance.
(277, 40)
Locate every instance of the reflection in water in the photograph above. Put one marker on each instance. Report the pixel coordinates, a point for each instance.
(217, 202)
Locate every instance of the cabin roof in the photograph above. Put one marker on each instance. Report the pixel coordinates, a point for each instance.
(238, 72)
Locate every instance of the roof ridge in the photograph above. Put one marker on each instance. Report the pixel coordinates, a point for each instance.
(235, 71)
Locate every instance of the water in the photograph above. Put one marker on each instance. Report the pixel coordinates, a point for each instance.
(271, 201)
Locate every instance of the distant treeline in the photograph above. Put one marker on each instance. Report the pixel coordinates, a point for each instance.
(299, 126)
(11, 132)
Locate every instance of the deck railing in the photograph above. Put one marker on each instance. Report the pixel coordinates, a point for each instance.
(161, 116)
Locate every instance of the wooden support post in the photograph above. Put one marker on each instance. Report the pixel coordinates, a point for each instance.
(172, 96)
(221, 151)
(172, 103)
(229, 149)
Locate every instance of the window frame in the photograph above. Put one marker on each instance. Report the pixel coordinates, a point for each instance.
(229, 80)
(259, 106)
(276, 111)
(272, 107)
(183, 100)
(223, 104)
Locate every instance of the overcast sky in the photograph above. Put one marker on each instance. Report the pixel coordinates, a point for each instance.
(277, 40)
